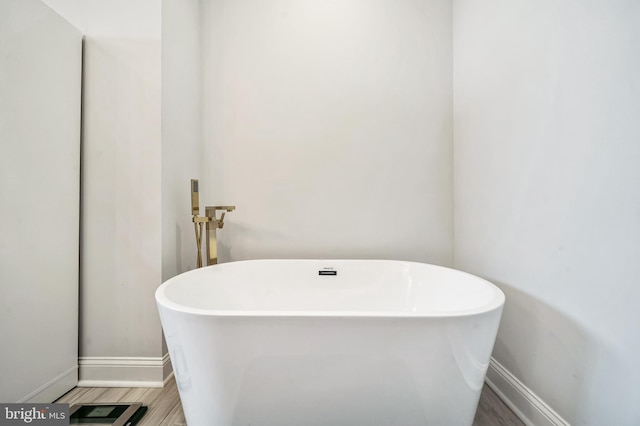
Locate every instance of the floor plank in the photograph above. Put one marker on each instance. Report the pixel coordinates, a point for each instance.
(165, 408)
(493, 412)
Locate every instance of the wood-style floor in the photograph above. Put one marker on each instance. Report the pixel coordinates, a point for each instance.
(165, 409)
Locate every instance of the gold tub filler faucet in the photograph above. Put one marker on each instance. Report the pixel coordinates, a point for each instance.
(212, 222)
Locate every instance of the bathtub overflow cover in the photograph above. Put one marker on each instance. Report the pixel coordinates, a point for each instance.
(327, 271)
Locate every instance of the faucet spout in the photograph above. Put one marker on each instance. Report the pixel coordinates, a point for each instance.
(227, 208)
(211, 212)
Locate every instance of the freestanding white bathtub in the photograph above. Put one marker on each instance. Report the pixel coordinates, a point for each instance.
(288, 343)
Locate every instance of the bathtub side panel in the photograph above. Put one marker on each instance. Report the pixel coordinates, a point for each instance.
(339, 371)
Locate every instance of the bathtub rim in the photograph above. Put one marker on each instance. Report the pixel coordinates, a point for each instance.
(497, 303)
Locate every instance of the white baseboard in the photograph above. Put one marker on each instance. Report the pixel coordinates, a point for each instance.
(169, 377)
(528, 406)
(130, 372)
(167, 368)
(54, 389)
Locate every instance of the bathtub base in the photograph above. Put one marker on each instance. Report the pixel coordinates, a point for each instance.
(331, 371)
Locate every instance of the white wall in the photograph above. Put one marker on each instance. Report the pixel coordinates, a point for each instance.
(546, 193)
(181, 131)
(112, 18)
(121, 199)
(328, 124)
(40, 77)
(120, 333)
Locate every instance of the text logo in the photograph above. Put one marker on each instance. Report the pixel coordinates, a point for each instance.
(34, 414)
